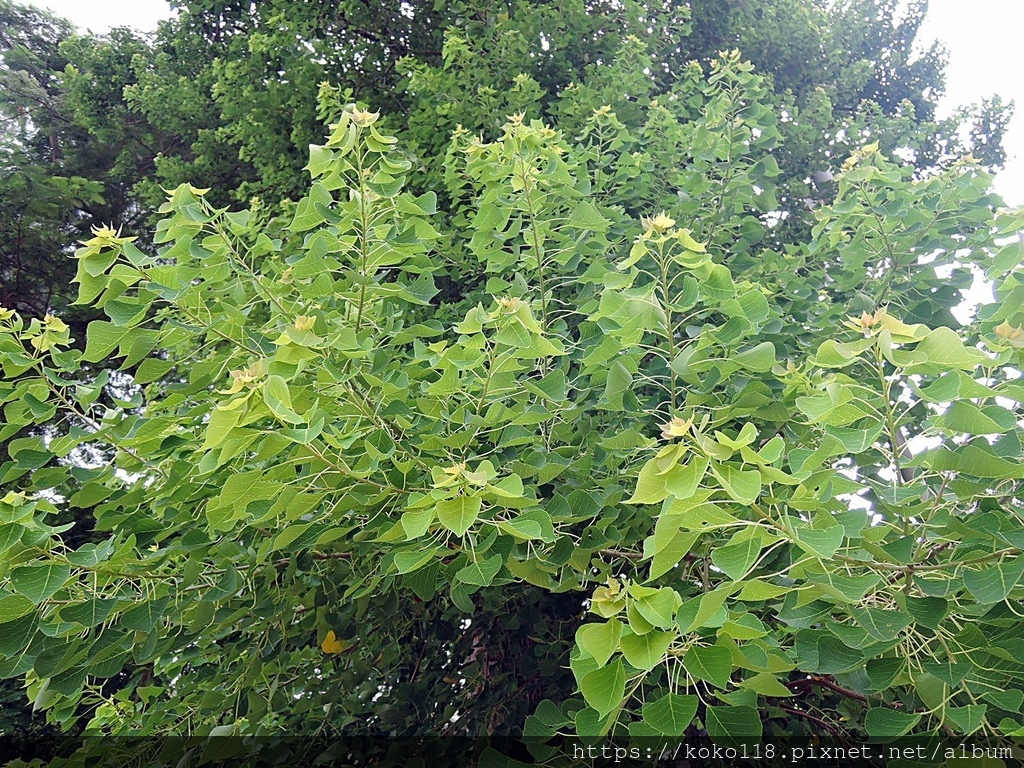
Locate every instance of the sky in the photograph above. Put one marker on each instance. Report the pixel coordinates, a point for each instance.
(982, 37)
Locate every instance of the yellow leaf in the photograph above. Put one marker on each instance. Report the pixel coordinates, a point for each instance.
(332, 644)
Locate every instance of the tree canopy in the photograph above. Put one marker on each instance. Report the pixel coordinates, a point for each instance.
(588, 383)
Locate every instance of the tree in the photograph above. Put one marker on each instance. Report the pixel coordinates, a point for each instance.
(227, 93)
(64, 170)
(659, 475)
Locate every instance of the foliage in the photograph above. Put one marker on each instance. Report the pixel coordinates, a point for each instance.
(59, 176)
(226, 93)
(659, 473)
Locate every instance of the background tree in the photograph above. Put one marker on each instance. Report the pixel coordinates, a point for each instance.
(227, 92)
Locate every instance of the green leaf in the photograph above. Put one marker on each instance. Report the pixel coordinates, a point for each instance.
(736, 559)
(731, 726)
(715, 281)
(535, 524)
(850, 589)
(943, 347)
(458, 514)
(882, 672)
(993, 583)
(220, 424)
(766, 684)
(603, 689)
(102, 338)
(144, 616)
(743, 486)
(1009, 701)
(407, 562)
(671, 714)
(660, 608)
(39, 581)
(646, 651)
(712, 663)
(482, 572)
(819, 651)
(619, 381)
(759, 359)
(16, 634)
(685, 238)
(966, 417)
(745, 626)
(89, 613)
(820, 543)
(586, 216)
(279, 400)
(967, 719)
(10, 535)
(856, 440)
(833, 354)
(683, 482)
(881, 624)
(948, 672)
(883, 723)
(703, 517)
(416, 522)
(600, 640)
(669, 555)
(756, 591)
(14, 607)
(929, 611)
(708, 605)
(969, 459)
(591, 724)
(652, 484)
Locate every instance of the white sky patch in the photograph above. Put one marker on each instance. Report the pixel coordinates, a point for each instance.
(101, 16)
(983, 41)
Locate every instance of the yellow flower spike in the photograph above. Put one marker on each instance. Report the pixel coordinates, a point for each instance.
(678, 427)
(475, 146)
(106, 235)
(658, 224)
(509, 305)
(105, 232)
(245, 376)
(54, 323)
(865, 322)
(456, 469)
(448, 476)
(1011, 334)
(364, 118)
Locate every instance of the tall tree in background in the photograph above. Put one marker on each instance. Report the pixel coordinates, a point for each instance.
(64, 170)
(227, 91)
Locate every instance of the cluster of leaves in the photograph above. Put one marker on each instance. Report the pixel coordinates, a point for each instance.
(226, 93)
(654, 475)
